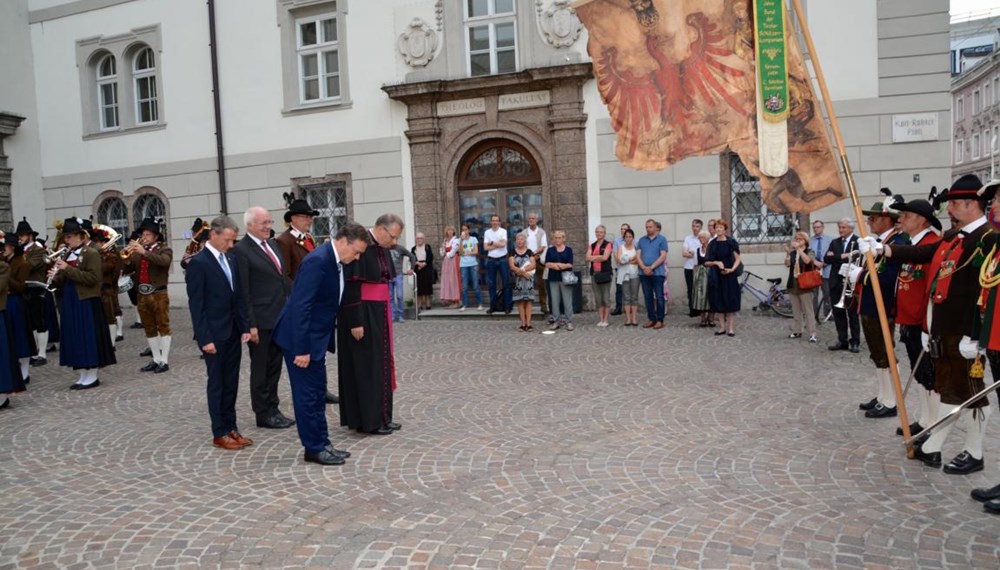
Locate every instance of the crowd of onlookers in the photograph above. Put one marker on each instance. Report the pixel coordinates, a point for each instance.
(535, 266)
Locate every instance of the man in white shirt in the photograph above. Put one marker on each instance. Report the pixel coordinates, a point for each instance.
(691, 246)
(538, 242)
(495, 242)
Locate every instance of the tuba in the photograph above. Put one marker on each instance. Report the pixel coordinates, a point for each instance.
(113, 237)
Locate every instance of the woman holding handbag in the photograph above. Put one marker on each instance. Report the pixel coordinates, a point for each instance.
(802, 280)
(599, 257)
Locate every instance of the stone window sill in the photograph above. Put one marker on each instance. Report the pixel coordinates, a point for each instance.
(125, 131)
(316, 108)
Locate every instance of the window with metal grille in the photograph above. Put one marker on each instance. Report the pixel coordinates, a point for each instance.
(330, 199)
(148, 206)
(113, 212)
(752, 220)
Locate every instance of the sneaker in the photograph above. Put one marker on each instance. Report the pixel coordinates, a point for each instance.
(552, 318)
(479, 308)
(602, 325)
(569, 326)
(554, 326)
(813, 339)
(462, 308)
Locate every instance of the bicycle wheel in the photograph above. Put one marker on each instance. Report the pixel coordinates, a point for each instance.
(781, 303)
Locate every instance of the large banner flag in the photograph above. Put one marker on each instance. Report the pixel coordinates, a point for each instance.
(679, 79)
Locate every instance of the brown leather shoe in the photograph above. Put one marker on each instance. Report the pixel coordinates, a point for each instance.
(244, 441)
(658, 325)
(226, 442)
(649, 325)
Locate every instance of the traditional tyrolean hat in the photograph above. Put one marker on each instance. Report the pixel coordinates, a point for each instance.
(921, 208)
(153, 225)
(970, 187)
(23, 227)
(73, 226)
(299, 206)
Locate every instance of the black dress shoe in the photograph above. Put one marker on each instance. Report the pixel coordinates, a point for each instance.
(381, 431)
(338, 452)
(5, 404)
(95, 384)
(915, 428)
(51, 348)
(616, 312)
(120, 338)
(146, 352)
(929, 459)
(274, 421)
(963, 464)
(838, 346)
(868, 405)
(161, 368)
(855, 348)
(992, 506)
(38, 361)
(27, 380)
(136, 326)
(151, 367)
(332, 398)
(394, 426)
(982, 494)
(324, 458)
(880, 411)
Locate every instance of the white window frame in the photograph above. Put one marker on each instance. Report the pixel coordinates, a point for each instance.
(149, 75)
(102, 103)
(959, 151)
(975, 147)
(492, 19)
(319, 50)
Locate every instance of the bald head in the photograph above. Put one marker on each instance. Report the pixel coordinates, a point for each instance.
(258, 222)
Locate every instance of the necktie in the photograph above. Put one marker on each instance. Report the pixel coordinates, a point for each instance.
(270, 254)
(307, 241)
(225, 269)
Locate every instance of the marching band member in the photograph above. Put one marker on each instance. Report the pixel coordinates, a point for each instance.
(881, 223)
(24, 341)
(36, 258)
(296, 242)
(11, 380)
(111, 270)
(86, 345)
(953, 268)
(918, 218)
(150, 258)
(199, 231)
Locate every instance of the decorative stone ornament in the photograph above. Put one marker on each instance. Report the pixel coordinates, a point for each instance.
(558, 23)
(418, 43)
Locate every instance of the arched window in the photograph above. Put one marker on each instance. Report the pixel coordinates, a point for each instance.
(107, 92)
(147, 206)
(144, 77)
(113, 212)
(499, 177)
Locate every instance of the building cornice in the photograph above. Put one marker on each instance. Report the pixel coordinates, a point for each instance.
(541, 77)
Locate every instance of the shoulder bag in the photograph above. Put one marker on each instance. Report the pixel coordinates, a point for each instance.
(807, 280)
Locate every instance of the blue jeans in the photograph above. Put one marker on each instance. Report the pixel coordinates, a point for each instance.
(396, 295)
(652, 291)
(470, 283)
(493, 265)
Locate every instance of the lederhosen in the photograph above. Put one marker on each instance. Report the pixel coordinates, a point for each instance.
(154, 302)
(867, 309)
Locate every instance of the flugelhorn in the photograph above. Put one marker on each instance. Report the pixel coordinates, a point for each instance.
(56, 254)
(849, 271)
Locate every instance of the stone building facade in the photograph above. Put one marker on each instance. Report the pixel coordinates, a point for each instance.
(976, 129)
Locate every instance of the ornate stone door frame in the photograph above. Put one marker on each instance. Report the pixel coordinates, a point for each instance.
(540, 109)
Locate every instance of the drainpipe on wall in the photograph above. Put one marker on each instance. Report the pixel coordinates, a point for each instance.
(220, 155)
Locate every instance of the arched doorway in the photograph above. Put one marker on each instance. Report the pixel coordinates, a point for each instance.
(501, 177)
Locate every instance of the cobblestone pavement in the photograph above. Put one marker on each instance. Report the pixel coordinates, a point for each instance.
(597, 448)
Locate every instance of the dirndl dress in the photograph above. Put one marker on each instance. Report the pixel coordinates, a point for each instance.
(10, 370)
(20, 331)
(86, 341)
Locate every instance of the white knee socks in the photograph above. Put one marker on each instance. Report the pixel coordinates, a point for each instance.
(87, 377)
(975, 428)
(113, 331)
(154, 347)
(936, 441)
(42, 340)
(24, 367)
(888, 389)
(164, 349)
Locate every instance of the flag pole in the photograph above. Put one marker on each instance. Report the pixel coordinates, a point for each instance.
(862, 230)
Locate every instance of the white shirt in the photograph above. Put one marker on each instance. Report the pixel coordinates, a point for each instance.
(533, 241)
(261, 243)
(296, 234)
(916, 239)
(973, 226)
(492, 236)
(223, 264)
(692, 244)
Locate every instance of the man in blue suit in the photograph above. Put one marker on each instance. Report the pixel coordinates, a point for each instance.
(305, 331)
(219, 316)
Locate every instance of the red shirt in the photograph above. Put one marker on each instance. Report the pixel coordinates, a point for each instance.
(911, 288)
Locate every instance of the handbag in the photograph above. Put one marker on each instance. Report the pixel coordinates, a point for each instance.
(807, 280)
(570, 278)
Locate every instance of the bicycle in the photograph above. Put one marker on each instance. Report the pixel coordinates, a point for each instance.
(775, 299)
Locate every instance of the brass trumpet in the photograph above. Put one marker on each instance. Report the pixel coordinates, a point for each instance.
(56, 254)
(849, 271)
(61, 253)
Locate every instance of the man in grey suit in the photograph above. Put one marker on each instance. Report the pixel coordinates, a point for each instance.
(266, 286)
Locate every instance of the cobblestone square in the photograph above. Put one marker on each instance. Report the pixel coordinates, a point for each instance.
(592, 449)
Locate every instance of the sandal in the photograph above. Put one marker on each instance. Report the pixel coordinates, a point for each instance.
(528, 328)
(720, 333)
(795, 335)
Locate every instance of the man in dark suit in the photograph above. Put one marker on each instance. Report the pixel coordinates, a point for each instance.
(218, 313)
(296, 243)
(305, 332)
(836, 257)
(265, 283)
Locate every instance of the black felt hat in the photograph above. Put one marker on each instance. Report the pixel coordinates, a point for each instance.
(23, 227)
(152, 225)
(920, 207)
(198, 225)
(970, 187)
(299, 206)
(73, 226)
